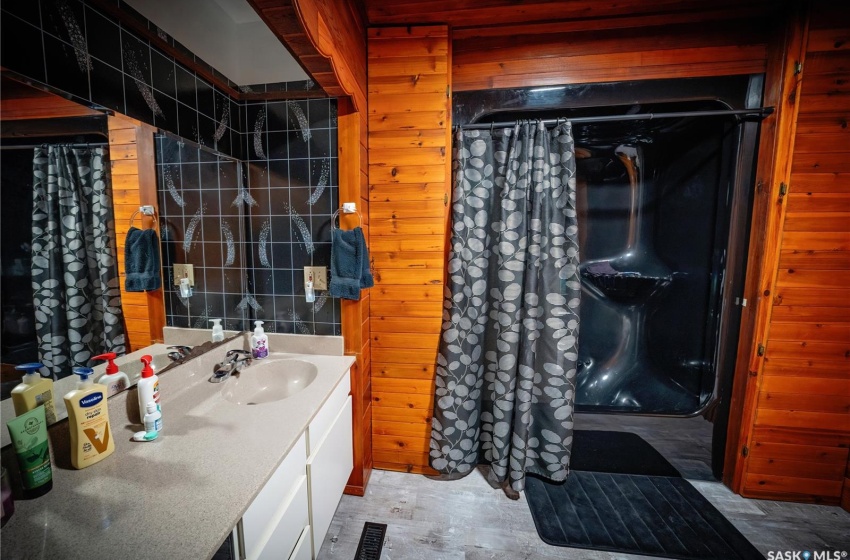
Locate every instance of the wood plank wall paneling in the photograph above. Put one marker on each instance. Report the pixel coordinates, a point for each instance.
(131, 153)
(409, 169)
(543, 54)
(798, 448)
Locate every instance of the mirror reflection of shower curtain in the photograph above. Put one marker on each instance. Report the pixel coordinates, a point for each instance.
(76, 291)
(507, 362)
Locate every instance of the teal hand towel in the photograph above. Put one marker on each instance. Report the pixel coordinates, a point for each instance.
(349, 264)
(141, 261)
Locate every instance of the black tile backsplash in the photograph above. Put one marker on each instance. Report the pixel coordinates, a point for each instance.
(247, 200)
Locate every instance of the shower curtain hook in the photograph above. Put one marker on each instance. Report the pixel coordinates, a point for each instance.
(491, 128)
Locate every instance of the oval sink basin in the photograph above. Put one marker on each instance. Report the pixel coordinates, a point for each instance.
(269, 381)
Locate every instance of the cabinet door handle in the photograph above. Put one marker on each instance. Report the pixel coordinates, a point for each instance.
(240, 541)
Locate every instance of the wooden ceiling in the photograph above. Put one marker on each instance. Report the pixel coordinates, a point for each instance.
(466, 14)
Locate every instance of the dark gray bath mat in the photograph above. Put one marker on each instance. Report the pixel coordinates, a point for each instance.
(624, 496)
(617, 452)
(371, 541)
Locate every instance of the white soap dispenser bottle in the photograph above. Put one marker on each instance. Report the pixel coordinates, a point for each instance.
(259, 342)
(217, 331)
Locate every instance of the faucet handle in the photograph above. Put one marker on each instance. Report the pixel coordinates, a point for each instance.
(185, 350)
(238, 353)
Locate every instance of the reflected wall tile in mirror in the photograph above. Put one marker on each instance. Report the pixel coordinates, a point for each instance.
(319, 113)
(186, 88)
(26, 11)
(263, 281)
(163, 74)
(322, 228)
(298, 147)
(136, 57)
(103, 38)
(299, 173)
(300, 259)
(299, 201)
(206, 102)
(325, 329)
(166, 118)
(263, 208)
(279, 173)
(322, 309)
(215, 305)
(214, 250)
(64, 69)
(233, 279)
(277, 115)
(322, 254)
(283, 280)
(278, 149)
(107, 86)
(320, 143)
(206, 131)
(136, 98)
(211, 200)
(26, 61)
(64, 19)
(258, 176)
(180, 321)
(192, 198)
(281, 222)
(190, 179)
(228, 174)
(232, 210)
(304, 318)
(208, 171)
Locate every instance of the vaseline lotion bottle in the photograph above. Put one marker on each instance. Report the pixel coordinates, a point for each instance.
(88, 418)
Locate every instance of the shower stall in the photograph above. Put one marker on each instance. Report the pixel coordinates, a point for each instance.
(663, 209)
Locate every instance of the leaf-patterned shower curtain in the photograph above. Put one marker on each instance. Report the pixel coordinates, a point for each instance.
(507, 361)
(76, 291)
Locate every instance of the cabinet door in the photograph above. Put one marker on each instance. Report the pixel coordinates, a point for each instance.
(260, 519)
(323, 420)
(289, 526)
(328, 469)
(302, 549)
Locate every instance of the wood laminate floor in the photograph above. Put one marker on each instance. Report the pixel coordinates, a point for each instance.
(468, 520)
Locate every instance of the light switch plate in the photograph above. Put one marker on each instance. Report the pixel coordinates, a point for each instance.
(184, 271)
(319, 274)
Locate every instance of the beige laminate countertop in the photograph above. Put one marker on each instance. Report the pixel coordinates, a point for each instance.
(180, 495)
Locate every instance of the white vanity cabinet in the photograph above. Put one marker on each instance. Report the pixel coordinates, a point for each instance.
(292, 513)
(330, 460)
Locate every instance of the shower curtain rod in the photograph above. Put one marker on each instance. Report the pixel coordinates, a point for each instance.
(760, 113)
(75, 146)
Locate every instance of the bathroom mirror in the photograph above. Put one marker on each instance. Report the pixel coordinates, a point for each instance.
(34, 117)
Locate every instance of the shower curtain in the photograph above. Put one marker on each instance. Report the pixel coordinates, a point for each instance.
(76, 293)
(507, 360)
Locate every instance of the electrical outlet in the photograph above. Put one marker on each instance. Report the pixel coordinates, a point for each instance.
(184, 271)
(318, 275)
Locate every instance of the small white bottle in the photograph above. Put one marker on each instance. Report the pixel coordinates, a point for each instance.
(148, 387)
(114, 379)
(217, 331)
(259, 342)
(153, 418)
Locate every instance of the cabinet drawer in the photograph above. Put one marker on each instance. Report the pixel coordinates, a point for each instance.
(328, 469)
(303, 549)
(284, 536)
(320, 425)
(258, 520)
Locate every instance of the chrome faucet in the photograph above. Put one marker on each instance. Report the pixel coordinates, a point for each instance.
(232, 365)
(179, 353)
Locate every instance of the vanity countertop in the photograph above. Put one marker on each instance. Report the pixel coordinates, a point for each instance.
(180, 495)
